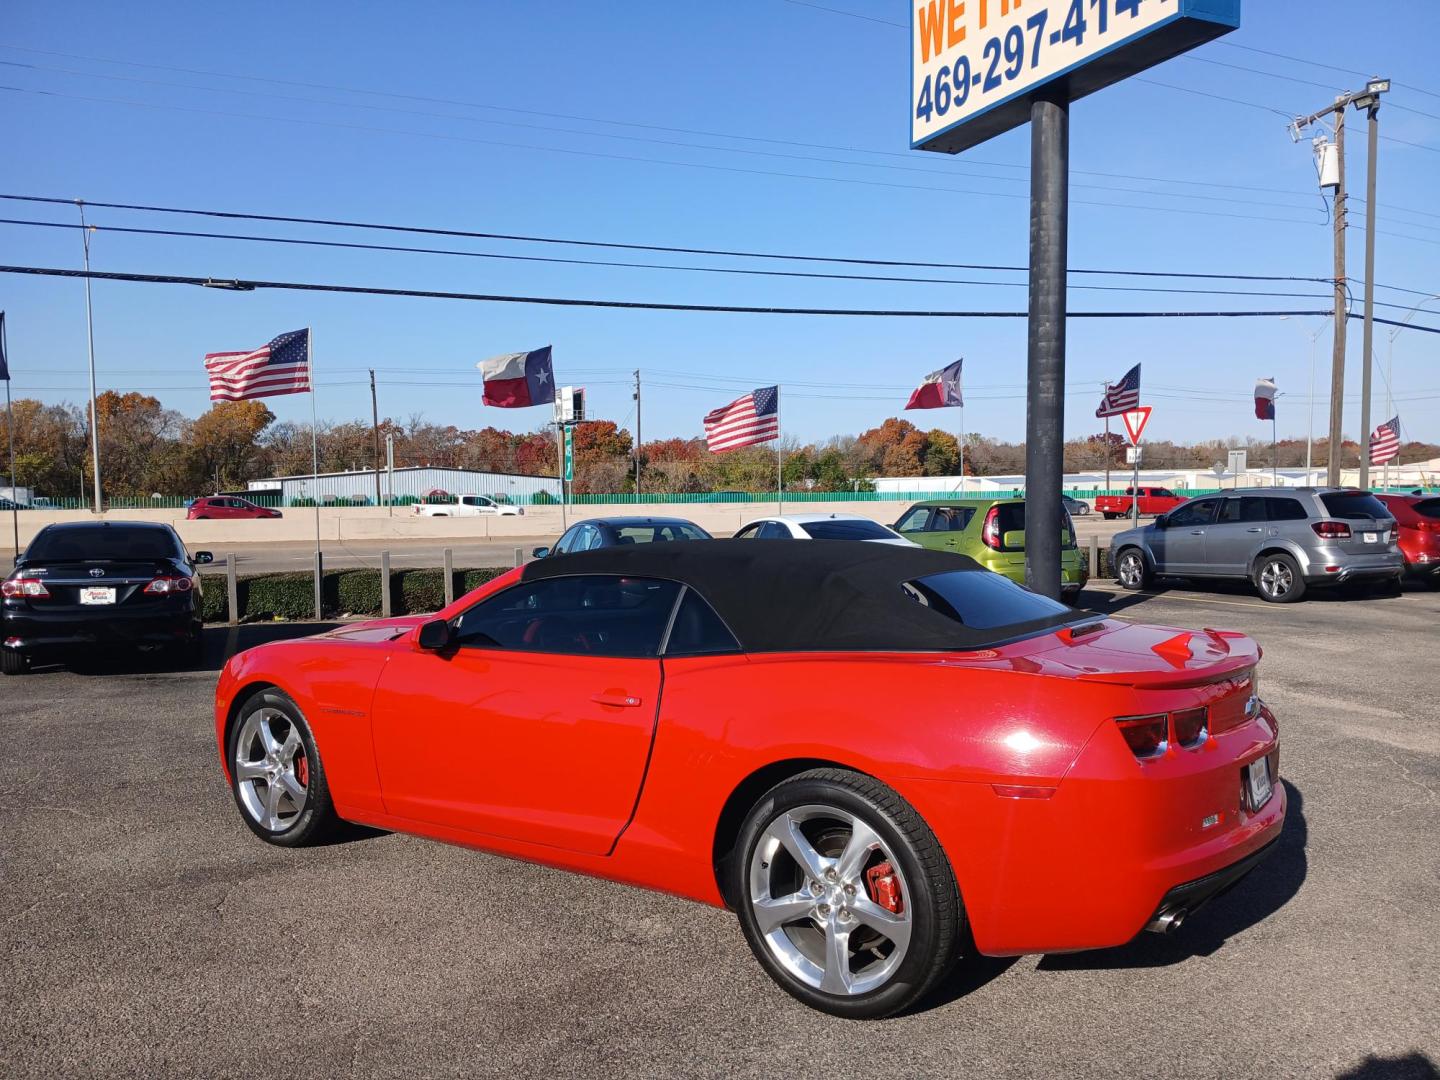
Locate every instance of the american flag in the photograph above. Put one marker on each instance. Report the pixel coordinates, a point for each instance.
(1122, 396)
(1385, 442)
(281, 367)
(754, 418)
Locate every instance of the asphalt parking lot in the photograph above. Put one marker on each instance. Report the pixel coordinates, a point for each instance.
(148, 933)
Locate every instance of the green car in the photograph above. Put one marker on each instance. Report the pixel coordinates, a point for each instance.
(992, 532)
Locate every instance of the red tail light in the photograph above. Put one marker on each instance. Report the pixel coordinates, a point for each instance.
(990, 531)
(1145, 734)
(1331, 530)
(28, 588)
(163, 585)
(1189, 725)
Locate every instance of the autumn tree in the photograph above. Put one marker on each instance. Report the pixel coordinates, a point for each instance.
(223, 445)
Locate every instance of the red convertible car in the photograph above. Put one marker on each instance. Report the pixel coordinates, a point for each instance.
(873, 755)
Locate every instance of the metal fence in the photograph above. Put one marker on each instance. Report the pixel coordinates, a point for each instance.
(176, 502)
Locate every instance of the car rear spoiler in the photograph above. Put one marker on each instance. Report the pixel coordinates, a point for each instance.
(1194, 658)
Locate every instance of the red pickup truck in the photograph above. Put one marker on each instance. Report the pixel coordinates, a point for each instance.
(1153, 500)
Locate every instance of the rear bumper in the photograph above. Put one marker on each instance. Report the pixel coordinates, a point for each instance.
(1092, 865)
(1353, 566)
(34, 633)
(1184, 900)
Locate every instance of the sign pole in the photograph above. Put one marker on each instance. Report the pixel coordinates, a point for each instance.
(1109, 450)
(962, 448)
(1045, 406)
(1135, 491)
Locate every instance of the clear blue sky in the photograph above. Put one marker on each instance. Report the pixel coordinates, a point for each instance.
(761, 69)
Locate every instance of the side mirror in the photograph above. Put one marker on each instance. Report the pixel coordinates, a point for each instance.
(434, 635)
(204, 557)
(539, 552)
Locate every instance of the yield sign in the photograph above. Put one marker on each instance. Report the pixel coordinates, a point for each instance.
(1135, 421)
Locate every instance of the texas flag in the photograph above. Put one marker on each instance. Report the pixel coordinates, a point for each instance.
(939, 390)
(1265, 399)
(518, 380)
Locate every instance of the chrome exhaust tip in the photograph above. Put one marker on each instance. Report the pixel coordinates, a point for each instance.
(1167, 922)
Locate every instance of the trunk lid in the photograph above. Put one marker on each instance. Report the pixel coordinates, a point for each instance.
(66, 580)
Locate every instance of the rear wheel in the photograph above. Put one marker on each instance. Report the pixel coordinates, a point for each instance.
(276, 774)
(13, 663)
(1109, 516)
(1132, 571)
(845, 895)
(1278, 579)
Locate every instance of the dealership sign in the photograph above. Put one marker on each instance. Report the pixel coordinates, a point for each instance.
(975, 64)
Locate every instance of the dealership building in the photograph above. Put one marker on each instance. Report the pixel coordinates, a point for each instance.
(413, 483)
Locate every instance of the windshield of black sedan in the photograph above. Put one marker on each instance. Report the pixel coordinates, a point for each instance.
(101, 542)
(981, 600)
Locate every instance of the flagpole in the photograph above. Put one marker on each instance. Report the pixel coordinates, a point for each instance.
(779, 458)
(315, 472)
(1274, 451)
(10, 432)
(961, 441)
(1109, 450)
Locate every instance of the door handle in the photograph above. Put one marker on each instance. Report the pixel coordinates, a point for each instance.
(1197, 532)
(617, 698)
(1255, 530)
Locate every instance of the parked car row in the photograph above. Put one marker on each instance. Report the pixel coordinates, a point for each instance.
(990, 531)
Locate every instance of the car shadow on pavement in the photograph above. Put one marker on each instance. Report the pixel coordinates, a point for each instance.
(1413, 1066)
(220, 643)
(1256, 896)
(1107, 602)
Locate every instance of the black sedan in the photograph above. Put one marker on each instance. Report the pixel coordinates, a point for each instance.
(106, 584)
(618, 531)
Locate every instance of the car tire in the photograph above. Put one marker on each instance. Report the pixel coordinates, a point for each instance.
(798, 844)
(1277, 579)
(1070, 597)
(1132, 570)
(1109, 516)
(289, 751)
(191, 651)
(14, 663)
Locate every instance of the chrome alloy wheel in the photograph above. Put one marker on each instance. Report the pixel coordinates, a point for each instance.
(810, 900)
(271, 771)
(1131, 570)
(1276, 579)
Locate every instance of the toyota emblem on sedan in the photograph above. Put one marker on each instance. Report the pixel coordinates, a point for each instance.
(97, 572)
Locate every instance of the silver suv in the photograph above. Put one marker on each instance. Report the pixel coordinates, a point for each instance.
(1284, 540)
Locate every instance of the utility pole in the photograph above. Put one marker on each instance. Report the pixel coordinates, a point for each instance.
(637, 431)
(375, 422)
(1371, 104)
(1368, 99)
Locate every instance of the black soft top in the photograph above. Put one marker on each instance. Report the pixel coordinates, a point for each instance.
(806, 596)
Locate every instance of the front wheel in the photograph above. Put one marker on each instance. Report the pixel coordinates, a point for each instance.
(1132, 571)
(13, 663)
(1278, 579)
(276, 774)
(845, 895)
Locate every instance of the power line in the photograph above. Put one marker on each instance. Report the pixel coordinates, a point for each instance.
(634, 159)
(622, 246)
(248, 285)
(350, 245)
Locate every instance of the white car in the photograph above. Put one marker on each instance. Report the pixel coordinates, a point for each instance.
(469, 506)
(820, 527)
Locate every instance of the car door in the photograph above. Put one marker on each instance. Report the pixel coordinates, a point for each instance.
(1179, 547)
(1236, 536)
(536, 724)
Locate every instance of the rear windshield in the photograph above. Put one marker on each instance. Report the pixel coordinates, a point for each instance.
(983, 601)
(644, 534)
(1353, 504)
(846, 530)
(1011, 518)
(101, 542)
(1427, 508)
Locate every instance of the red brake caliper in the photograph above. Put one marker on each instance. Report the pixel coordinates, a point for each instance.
(302, 769)
(884, 886)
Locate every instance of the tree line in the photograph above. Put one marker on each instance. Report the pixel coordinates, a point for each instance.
(147, 449)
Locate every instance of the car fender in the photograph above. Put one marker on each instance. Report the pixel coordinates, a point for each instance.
(332, 681)
(1289, 547)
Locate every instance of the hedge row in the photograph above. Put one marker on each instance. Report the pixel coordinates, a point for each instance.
(343, 592)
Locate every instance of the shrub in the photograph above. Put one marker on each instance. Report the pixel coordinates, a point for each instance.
(342, 592)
